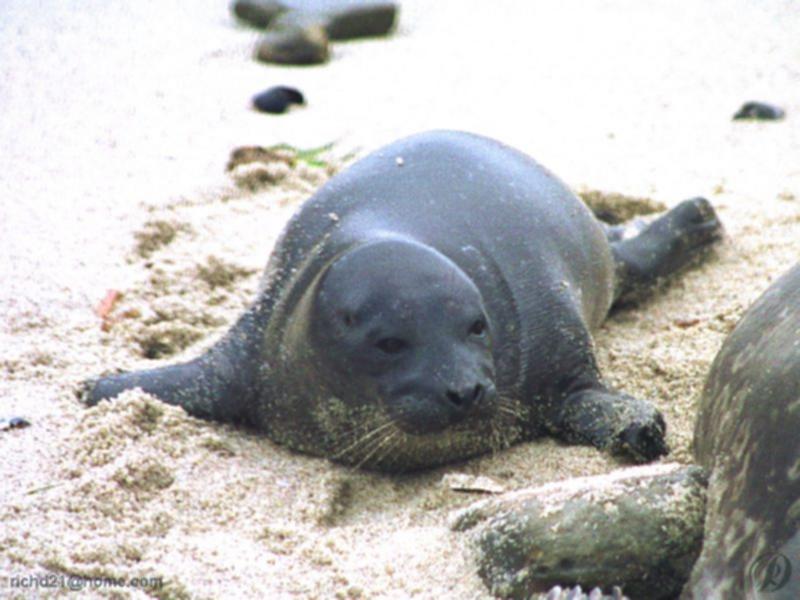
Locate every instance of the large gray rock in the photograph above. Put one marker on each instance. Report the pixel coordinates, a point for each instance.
(639, 528)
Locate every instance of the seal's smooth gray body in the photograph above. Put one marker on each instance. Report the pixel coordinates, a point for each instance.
(748, 437)
(432, 302)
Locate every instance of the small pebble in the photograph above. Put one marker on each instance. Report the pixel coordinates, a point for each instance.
(276, 100)
(399, 161)
(759, 111)
(14, 423)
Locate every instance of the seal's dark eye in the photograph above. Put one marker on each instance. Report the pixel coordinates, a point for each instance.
(391, 345)
(478, 327)
(348, 319)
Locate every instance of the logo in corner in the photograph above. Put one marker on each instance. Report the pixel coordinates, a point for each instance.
(770, 572)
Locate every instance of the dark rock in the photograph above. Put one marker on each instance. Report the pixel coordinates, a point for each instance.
(14, 423)
(258, 13)
(294, 46)
(368, 20)
(341, 20)
(759, 111)
(276, 100)
(640, 529)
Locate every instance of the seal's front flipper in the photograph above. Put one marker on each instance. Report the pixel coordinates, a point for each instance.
(665, 246)
(218, 385)
(190, 385)
(614, 422)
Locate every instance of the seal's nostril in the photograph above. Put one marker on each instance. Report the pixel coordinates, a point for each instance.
(454, 398)
(477, 393)
(467, 398)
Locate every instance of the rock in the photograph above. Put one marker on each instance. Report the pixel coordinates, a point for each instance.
(342, 20)
(294, 46)
(14, 423)
(639, 528)
(276, 100)
(368, 20)
(258, 13)
(759, 111)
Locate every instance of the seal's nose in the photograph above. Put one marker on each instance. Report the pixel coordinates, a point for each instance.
(464, 399)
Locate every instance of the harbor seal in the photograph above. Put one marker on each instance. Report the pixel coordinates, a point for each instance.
(435, 301)
(747, 437)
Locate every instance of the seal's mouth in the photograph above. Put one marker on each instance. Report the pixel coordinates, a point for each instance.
(426, 414)
(414, 431)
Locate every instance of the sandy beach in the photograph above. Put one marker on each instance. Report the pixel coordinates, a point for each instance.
(117, 121)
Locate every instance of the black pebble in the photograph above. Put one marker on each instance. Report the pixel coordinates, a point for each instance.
(277, 99)
(14, 423)
(760, 111)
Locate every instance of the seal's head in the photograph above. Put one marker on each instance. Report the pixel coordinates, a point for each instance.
(403, 321)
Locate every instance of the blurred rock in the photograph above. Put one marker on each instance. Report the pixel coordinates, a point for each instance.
(367, 20)
(294, 46)
(342, 20)
(14, 423)
(759, 111)
(276, 100)
(258, 13)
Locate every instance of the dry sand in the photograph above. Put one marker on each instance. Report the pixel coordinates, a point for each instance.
(116, 114)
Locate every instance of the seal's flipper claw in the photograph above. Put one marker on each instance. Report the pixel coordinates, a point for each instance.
(643, 441)
(614, 422)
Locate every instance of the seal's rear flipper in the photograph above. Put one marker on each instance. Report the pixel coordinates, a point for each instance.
(668, 244)
(612, 421)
